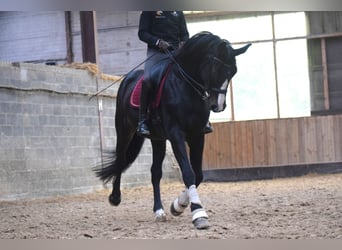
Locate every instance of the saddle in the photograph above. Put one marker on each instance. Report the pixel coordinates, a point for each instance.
(135, 95)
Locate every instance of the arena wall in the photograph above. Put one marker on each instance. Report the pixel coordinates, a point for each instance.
(50, 133)
(271, 148)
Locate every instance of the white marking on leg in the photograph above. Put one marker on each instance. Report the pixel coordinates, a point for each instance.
(222, 97)
(160, 215)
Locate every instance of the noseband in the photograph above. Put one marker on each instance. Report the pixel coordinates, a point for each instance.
(221, 62)
(217, 90)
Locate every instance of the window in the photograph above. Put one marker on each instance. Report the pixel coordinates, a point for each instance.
(272, 79)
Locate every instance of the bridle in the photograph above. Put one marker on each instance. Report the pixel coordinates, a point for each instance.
(199, 88)
(222, 62)
(217, 90)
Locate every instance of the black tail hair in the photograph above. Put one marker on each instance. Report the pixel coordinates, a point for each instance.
(113, 166)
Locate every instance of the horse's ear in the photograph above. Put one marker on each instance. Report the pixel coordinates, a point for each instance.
(241, 50)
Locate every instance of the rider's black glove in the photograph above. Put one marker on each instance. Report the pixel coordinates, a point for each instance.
(163, 45)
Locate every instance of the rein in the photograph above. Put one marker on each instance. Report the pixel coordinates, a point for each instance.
(195, 84)
(198, 87)
(191, 81)
(122, 77)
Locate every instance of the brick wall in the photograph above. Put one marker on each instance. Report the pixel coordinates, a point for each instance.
(49, 133)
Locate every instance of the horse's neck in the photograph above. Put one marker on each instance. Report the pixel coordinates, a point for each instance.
(192, 70)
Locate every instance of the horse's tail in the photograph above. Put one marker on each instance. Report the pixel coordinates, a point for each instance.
(113, 165)
(108, 168)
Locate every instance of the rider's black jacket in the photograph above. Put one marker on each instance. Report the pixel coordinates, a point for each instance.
(166, 25)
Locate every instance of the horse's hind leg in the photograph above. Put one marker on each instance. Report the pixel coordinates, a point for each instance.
(115, 196)
(159, 149)
(128, 148)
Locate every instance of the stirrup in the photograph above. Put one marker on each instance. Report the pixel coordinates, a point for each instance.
(143, 128)
(207, 129)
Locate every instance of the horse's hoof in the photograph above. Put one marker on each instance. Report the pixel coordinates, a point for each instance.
(201, 223)
(200, 218)
(114, 200)
(177, 208)
(173, 211)
(160, 216)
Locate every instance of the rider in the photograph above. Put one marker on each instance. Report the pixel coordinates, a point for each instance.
(162, 31)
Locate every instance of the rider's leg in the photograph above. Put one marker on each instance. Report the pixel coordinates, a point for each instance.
(143, 128)
(153, 56)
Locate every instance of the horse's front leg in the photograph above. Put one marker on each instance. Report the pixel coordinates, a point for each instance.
(159, 149)
(199, 216)
(196, 146)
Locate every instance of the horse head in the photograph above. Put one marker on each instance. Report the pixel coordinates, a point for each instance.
(220, 68)
(211, 62)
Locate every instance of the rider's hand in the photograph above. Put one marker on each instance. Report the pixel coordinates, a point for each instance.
(163, 45)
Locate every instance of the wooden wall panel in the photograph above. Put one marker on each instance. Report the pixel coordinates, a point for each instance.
(292, 130)
(249, 141)
(274, 142)
(259, 145)
(32, 36)
(271, 142)
(338, 136)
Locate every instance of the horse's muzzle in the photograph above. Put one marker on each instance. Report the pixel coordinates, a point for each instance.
(217, 108)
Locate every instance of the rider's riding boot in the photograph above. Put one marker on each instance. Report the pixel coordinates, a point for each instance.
(208, 128)
(142, 124)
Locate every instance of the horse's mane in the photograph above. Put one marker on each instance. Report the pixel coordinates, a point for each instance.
(200, 44)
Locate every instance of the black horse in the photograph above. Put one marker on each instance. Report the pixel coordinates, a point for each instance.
(196, 79)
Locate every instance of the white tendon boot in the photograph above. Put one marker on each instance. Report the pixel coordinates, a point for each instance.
(180, 203)
(199, 216)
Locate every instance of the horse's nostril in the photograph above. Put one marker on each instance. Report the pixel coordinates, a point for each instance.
(214, 107)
